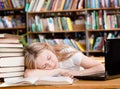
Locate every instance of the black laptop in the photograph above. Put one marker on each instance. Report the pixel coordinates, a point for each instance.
(112, 62)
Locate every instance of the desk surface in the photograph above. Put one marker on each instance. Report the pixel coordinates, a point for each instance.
(114, 83)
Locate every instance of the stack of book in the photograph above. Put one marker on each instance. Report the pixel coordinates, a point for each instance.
(11, 57)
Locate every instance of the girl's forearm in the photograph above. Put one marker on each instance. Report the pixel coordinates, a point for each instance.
(41, 73)
(92, 70)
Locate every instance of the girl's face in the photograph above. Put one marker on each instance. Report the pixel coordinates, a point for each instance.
(47, 60)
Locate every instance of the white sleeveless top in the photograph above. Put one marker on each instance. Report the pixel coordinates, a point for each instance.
(73, 63)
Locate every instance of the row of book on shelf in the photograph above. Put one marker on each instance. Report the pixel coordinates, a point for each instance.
(97, 42)
(102, 3)
(37, 24)
(11, 57)
(5, 4)
(44, 5)
(78, 44)
(102, 20)
(12, 21)
(54, 5)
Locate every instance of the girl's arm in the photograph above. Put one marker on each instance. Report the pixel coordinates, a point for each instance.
(41, 73)
(90, 67)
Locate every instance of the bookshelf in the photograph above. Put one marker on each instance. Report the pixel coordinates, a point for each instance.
(102, 22)
(12, 17)
(88, 28)
(67, 25)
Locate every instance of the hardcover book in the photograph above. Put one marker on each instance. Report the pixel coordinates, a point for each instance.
(11, 54)
(11, 61)
(19, 45)
(11, 69)
(10, 49)
(11, 74)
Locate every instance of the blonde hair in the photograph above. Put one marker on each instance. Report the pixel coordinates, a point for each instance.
(31, 52)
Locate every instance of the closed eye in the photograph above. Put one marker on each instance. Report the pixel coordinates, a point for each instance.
(49, 57)
(43, 66)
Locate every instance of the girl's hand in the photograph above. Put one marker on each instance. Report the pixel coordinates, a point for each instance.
(65, 72)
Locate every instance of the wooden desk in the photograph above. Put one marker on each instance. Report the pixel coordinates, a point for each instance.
(114, 83)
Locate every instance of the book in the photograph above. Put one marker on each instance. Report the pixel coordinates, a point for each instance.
(50, 23)
(9, 40)
(81, 46)
(11, 78)
(6, 35)
(11, 69)
(74, 5)
(1, 23)
(11, 61)
(66, 5)
(61, 5)
(11, 74)
(10, 54)
(11, 45)
(56, 5)
(32, 2)
(80, 4)
(99, 41)
(40, 81)
(9, 49)
(39, 6)
(69, 22)
(35, 6)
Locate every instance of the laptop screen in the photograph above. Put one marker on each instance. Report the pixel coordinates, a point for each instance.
(112, 56)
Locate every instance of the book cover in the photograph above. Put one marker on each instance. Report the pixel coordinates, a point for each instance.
(98, 43)
(69, 22)
(64, 23)
(1, 23)
(50, 23)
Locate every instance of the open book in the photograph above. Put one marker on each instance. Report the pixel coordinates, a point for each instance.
(38, 81)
